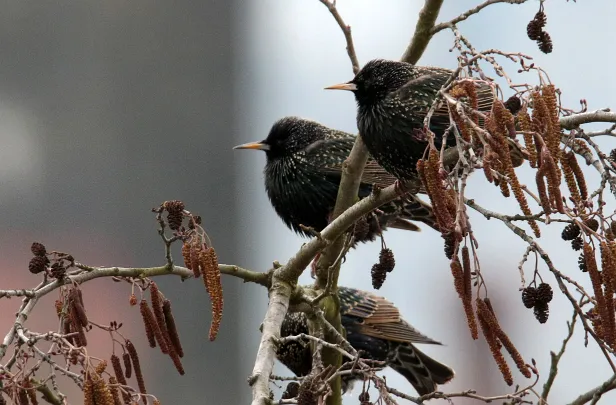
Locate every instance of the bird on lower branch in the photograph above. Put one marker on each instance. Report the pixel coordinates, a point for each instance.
(303, 172)
(393, 99)
(374, 326)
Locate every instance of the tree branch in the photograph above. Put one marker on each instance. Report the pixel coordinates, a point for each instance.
(548, 261)
(280, 294)
(285, 278)
(596, 392)
(90, 273)
(575, 120)
(346, 30)
(423, 31)
(466, 14)
(555, 359)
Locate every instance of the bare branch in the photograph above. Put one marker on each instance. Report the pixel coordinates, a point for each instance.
(466, 14)
(16, 293)
(556, 359)
(596, 392)
(575, 120)
(423, 31)
(91, 273)
(557, 274)
(280, 294)
(516, 397)
(346, 30)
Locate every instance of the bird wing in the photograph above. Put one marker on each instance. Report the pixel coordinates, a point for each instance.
(331, 152)
(378, 317)
(424, 87)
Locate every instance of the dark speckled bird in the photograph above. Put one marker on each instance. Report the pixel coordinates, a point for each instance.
(393, 99)
(302, 175)
(373, 325)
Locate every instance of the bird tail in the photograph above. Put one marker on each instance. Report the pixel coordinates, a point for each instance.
(414, 209)
(422, 371)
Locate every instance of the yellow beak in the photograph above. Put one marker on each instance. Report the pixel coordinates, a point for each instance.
(253, 145)
(343, 86)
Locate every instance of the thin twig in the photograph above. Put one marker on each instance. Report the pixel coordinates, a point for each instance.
(468, 13)
(346, 30)
(555, 359)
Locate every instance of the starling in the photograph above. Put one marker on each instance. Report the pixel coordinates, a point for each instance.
(393, 99)
(374, 326)
(302, 175)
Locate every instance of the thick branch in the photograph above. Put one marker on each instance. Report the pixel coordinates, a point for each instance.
(423, 31)
(352, 170)
(91, 273)
(280, 294)
(285, 277)
(575, 120)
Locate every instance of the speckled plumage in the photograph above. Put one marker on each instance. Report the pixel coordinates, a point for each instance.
(303, 171)
(373, 325)
(393, 99)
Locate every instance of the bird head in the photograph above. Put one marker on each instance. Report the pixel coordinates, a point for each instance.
(376, 80)
(288, 135)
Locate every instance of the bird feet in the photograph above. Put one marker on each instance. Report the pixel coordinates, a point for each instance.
(400, 187)
(313, 266)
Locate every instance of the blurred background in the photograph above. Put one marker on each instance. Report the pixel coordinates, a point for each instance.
(109, 108)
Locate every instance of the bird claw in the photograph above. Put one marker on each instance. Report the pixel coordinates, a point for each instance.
(400, 187)
(313, 266)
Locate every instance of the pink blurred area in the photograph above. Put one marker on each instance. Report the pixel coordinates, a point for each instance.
(104, 299)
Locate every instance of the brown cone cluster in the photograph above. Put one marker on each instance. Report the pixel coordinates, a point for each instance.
(444, 202)
(465, 89)
(97, 391)
(538, 299)
(497, 339)
(160, 327)
(60, 262)
(175, 213)
(203, 261)
(551, 161)
(40, 261)
(602, 315)
(535, 31)
(74, 318)
(497, 156)
(362, 228)
(462, 275)
(386, 264)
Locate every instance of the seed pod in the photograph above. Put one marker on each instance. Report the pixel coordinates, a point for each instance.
(378, 275)
(544, 293)
(127, 365)
(570, 232)
(529, 297)
(38, 249)
(542, 312)
(38, 264)
(387, 260)
(137, 367)
(172, 328)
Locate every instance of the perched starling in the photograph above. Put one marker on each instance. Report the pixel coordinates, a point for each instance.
(302, 175)
(393, 99)
(374, 326)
